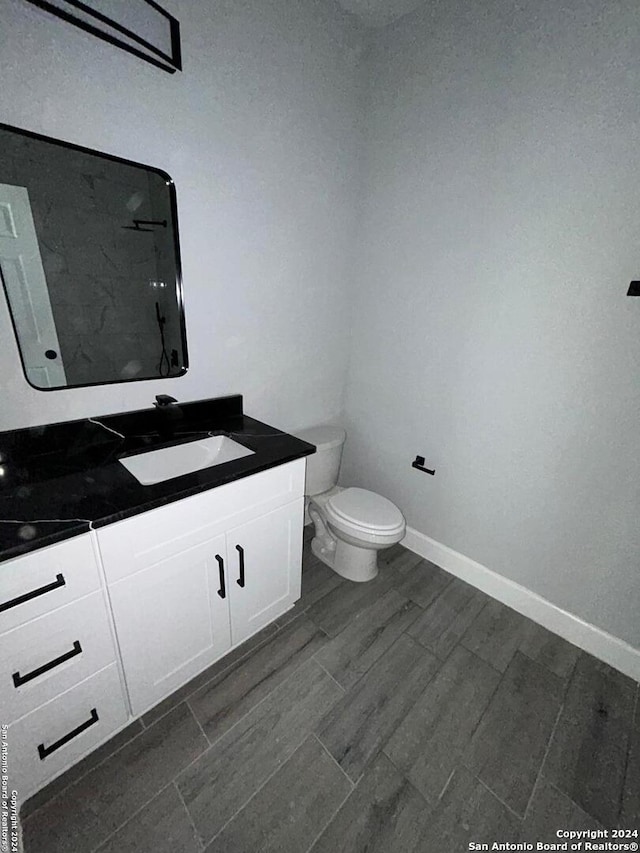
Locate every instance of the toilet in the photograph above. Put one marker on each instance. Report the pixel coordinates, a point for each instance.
(351, 524)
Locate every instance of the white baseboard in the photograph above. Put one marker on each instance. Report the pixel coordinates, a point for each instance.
(599, 643)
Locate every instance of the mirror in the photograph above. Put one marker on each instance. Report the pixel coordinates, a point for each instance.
(90, 264)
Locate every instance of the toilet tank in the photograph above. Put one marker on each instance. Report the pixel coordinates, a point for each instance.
(323, 465)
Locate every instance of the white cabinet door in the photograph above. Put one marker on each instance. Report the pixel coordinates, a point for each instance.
(263, 558)
(172, 621)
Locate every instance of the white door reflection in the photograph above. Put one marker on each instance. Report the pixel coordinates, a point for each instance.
(25, 285)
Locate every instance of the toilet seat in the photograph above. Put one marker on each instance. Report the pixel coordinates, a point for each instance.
(359, 510)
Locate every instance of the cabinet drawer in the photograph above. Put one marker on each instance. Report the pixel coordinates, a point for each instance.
(130, 545)
(49, 740)
(50, 654)
(45, 580)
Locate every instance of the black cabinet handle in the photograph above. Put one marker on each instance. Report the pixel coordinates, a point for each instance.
(240, 551)
(59, 581)
(44, 751)
(222, 592)
(22, 679)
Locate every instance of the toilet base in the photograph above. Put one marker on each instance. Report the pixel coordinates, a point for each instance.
(348, 561)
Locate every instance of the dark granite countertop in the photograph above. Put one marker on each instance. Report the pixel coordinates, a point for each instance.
(60, 480)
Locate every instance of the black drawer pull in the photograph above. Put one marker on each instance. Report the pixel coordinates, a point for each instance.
(59, 581)
(240, 551)
(22, 679)
(44, 751)
(222, 592)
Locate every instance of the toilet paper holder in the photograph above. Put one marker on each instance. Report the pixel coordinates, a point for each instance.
(418, 463)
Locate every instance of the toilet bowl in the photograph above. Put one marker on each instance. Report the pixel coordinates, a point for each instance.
(351, 524)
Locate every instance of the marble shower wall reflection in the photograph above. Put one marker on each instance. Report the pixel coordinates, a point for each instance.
(104, 272)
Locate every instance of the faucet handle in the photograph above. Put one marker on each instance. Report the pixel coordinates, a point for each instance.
(164, 400)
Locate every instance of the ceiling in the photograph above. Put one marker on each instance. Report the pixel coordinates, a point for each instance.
(378, 13)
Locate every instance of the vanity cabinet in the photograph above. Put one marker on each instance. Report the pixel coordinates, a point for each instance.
(60, 682)
(103, 626)
(190, 580)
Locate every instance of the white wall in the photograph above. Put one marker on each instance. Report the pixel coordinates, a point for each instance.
(493, 334)
(260, 133)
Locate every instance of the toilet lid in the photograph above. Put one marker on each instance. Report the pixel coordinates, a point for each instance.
(365, 509)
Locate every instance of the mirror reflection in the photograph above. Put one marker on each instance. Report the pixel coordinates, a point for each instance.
(89, 261)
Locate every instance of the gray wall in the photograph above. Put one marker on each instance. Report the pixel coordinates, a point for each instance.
(493, 334)
(260, 133)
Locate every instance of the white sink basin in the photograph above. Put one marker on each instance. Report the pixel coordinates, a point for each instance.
(154, 466)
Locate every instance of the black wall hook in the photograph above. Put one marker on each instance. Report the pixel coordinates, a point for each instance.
(418, 463)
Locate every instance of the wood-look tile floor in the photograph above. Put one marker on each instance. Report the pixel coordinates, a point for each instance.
(411, 713)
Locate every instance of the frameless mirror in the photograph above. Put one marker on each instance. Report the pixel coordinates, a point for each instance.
(90, 264)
